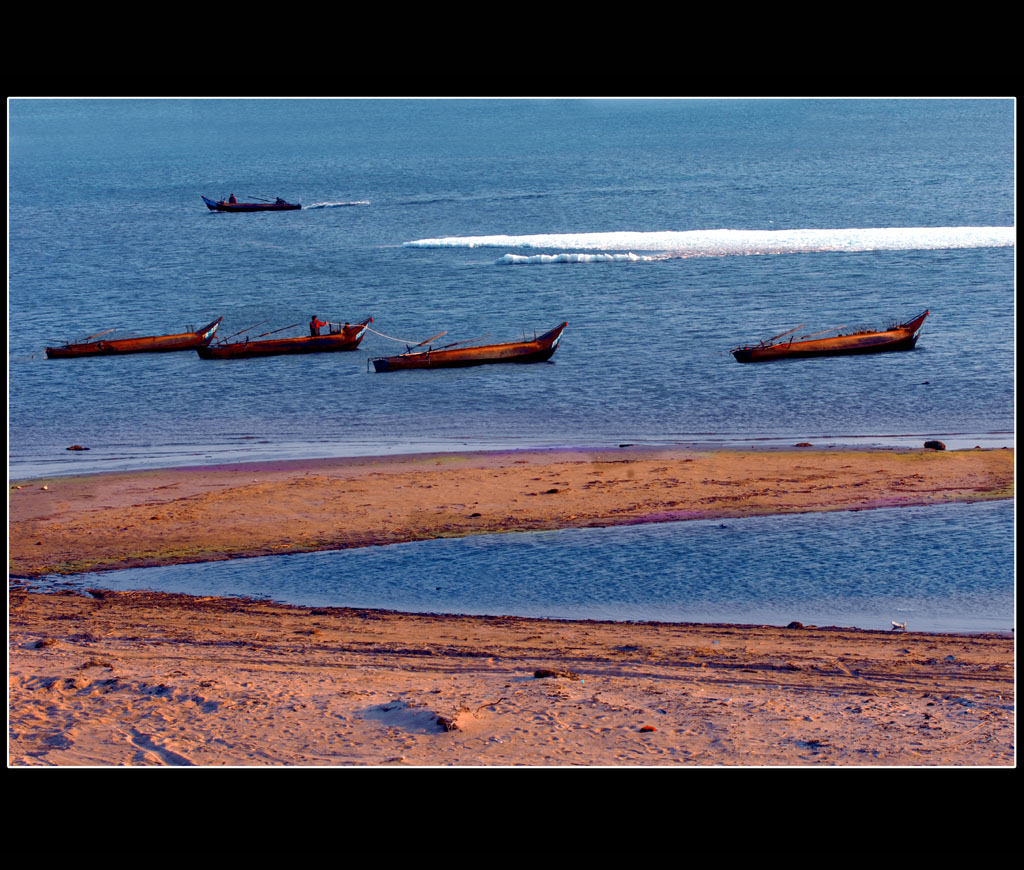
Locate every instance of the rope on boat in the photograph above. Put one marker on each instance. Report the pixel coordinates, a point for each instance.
(392, 338)
(833, 329)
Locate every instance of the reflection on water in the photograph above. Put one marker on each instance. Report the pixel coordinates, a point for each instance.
(946, 568)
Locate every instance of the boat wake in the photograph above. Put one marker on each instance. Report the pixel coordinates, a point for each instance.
(338, 204)
(724, 243)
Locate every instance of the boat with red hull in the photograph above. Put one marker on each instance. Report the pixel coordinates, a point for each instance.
(347, 338)
(538, 349)
(901, 337)
(225, 205)
(146, 344)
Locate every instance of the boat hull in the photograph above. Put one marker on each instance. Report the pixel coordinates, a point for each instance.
(902, 338)
(538, 350)
(346, 340)
(147, 344)
(220, 205)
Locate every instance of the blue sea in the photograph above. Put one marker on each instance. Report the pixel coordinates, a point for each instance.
(665, 232)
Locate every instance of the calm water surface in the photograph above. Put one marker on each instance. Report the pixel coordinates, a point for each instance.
(946, 568)
(491, 218)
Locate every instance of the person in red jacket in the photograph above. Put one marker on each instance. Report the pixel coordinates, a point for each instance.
(314, 325)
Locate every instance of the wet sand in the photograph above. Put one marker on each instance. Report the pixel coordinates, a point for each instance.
(151, 679)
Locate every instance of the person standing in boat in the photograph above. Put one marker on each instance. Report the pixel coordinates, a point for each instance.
(314, 325)
(232, 199)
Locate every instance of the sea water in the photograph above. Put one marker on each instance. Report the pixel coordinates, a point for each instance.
(665, 232)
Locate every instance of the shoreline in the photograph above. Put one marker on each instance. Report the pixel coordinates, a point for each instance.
(88, 463)
(159, 679)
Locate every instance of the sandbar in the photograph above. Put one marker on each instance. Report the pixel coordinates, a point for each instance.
(205, 513)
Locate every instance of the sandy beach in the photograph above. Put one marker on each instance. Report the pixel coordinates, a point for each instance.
(153, 679)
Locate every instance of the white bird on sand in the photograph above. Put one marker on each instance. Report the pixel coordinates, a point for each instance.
(897, 625)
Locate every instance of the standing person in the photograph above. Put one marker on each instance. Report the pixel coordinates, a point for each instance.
(232, 199)
(314, 325)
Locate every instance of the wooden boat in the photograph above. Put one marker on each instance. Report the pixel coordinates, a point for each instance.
(536, 350)
(222, 205)
(902, 337)
(148, 344)
(347, 338)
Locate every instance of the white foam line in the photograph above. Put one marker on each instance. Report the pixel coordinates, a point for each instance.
(726, 242)
(544, 259)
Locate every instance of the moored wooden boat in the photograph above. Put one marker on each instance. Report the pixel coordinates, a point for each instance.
(223, 205)
(535, 350)
(347, 338)
(902, 337)
(146, 344)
